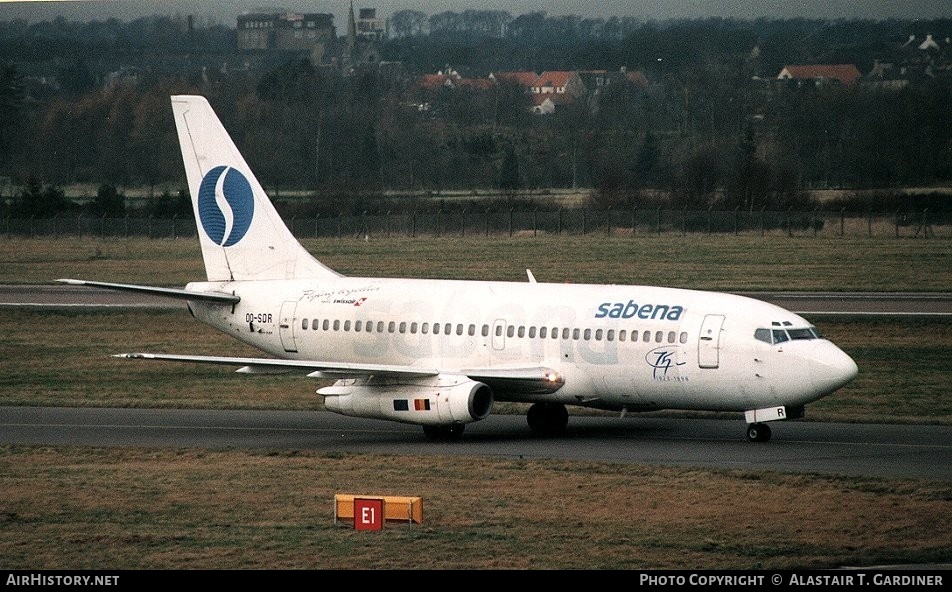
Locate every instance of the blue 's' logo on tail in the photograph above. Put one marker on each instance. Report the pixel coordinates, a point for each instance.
(225, 205)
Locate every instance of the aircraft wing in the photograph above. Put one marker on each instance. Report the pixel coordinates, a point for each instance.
(521, 380)
(220, 297)
(530, 380)
(274, 366)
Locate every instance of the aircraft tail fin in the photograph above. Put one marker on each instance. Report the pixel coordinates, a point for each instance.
(242, 236)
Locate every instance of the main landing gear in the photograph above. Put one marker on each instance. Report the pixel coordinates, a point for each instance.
(758, 432)
(547, 419)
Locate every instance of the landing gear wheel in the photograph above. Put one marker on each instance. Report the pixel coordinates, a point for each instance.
(547, 419)
(758, 432)
(443, 433)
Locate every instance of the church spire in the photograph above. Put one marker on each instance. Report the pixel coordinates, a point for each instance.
(351, 36)
(351, 24)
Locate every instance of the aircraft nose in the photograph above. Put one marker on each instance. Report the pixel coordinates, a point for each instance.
(833, 370)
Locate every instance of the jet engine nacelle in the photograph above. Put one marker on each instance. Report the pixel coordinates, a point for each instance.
(447, 401)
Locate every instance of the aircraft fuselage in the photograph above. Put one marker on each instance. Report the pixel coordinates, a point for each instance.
(617, 347)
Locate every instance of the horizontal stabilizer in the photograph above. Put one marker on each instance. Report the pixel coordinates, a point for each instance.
(219, 297)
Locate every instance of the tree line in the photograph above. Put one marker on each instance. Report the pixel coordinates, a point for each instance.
(709, 130)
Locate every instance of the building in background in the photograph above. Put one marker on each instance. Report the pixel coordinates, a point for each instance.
(306, 34)
(363, 34)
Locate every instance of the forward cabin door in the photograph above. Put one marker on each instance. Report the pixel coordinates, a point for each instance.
(709, 342)
(286, 326)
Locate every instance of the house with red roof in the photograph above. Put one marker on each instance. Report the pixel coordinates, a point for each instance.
(560, 83)
(434, 81)
(521, 78)
(820, 74)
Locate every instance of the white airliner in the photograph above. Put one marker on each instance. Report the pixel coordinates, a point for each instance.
(439, 353)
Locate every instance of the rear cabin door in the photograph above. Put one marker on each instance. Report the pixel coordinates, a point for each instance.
(709, 341)
(286, 326)
(499, 335)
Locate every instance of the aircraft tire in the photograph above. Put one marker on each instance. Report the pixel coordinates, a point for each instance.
(444, 433)
(758, 432)
(547, 419)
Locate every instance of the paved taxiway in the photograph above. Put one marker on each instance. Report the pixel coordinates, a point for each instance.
(878, 451)
(871, 450)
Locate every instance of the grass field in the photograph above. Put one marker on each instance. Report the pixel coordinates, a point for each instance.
(695, 261)
(125, 508)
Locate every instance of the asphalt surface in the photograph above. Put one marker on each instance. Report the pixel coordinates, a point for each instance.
(880, 451)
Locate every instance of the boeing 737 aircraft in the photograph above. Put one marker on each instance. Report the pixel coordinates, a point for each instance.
(439, 353)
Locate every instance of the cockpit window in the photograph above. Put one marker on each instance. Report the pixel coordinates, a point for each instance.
(776, 335)
(801, 333)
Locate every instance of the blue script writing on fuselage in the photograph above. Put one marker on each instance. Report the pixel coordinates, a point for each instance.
(631, 309)
(665, 358)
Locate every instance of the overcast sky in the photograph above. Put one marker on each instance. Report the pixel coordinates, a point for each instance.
(224, 11)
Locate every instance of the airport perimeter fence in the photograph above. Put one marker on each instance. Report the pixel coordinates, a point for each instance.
(511, 223)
